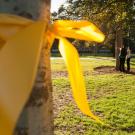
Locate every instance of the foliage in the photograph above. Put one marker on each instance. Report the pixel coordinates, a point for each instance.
(109, 15)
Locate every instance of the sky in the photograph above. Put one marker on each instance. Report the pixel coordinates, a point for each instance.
(55, 4)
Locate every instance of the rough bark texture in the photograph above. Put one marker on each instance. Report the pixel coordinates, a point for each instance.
(37, 116)
(118, 45)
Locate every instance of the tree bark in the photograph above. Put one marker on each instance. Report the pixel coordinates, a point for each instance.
(37, 115)
(118, 45)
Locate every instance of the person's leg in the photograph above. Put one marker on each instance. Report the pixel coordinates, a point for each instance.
(120, 65)
(128, 64)
(123, 64)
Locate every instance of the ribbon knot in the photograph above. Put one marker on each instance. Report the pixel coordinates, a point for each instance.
(82, 30)
(20, 46)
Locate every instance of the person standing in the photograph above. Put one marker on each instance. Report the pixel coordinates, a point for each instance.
(128, 57)
(122, 58)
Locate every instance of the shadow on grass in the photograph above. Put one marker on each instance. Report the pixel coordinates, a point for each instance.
(129, 129)
(111, 69)
(131, 72)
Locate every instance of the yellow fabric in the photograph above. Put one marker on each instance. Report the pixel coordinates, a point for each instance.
(20, 46)
(19, 60)
(82, 30)
(71, 58)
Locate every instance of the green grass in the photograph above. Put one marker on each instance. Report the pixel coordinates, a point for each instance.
(111, 97)
(58, 65)
(86, 54)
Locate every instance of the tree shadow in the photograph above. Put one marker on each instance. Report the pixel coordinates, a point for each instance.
(111, 69)
(131, 72)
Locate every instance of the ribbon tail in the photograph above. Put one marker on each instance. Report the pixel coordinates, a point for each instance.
(71, 59)
(19, 59)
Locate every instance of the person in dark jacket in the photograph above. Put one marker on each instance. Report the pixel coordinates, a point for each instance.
(122, 58)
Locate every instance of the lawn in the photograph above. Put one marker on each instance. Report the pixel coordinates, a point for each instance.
(111, 96)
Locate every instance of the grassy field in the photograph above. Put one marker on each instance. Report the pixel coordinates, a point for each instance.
(111, 96)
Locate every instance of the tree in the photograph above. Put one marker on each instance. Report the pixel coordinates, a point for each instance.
(114, 17)
(37, 116)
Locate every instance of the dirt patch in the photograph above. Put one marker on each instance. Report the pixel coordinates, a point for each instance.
(109, 70)
(61, 100)
(59, 74)
(96, 71)
(105, 70)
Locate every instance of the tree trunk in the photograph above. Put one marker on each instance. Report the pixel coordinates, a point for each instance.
(118, 45)
(37, 116)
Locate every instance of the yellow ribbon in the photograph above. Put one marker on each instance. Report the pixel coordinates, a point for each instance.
(20, 46)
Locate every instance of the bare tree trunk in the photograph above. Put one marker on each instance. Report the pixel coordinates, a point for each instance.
(118, 45)
(37, 116)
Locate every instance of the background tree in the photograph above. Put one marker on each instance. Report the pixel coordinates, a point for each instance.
(37, 116)
(114, 17)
